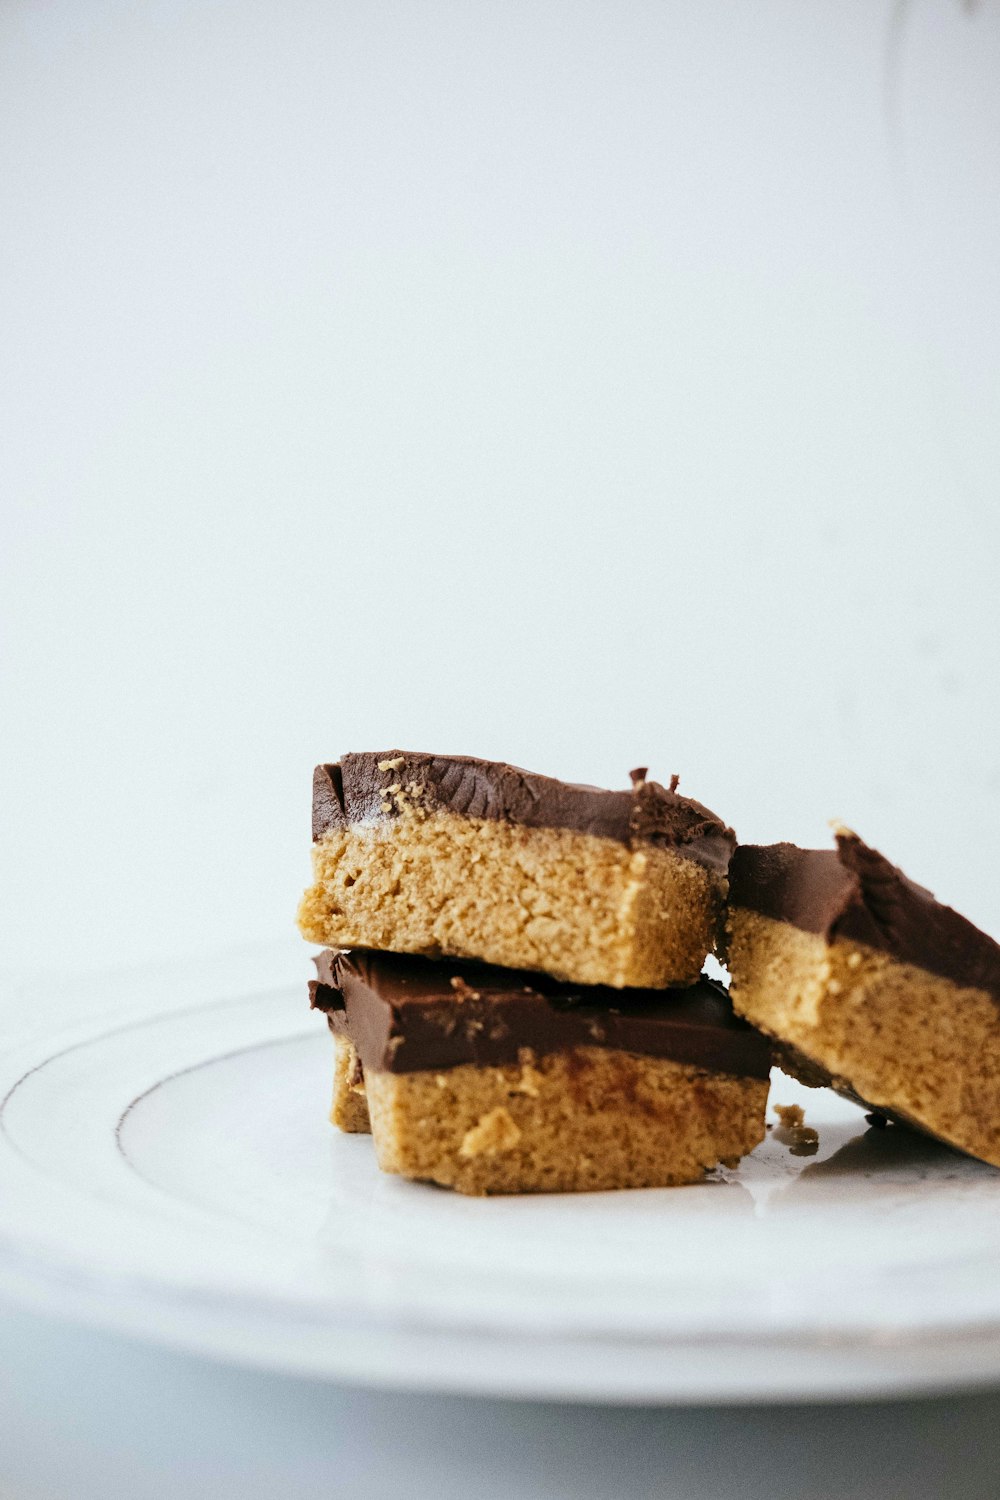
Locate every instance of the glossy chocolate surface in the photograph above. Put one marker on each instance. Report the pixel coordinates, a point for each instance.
(853, 892)
(369, 787)
(408, 1014)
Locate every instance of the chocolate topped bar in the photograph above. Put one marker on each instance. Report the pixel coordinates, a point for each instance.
(854, 892)
(450, 855)
(377, 785)
(406, 1014)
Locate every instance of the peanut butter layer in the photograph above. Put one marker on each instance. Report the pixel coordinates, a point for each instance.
(582, 1120)
(349, 1111)
(575, 1120)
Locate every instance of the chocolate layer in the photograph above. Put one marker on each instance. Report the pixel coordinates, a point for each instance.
(853, 892)
(371, 787)
(406, 1014)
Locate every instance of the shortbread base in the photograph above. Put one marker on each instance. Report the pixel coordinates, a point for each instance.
(577, 1121)
(581, 908)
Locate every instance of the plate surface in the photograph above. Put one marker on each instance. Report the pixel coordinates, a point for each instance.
(166, 1169)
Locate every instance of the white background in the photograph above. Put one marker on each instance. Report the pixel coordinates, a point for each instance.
(583, 384)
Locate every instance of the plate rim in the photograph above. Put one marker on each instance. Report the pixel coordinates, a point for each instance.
(961, 1353)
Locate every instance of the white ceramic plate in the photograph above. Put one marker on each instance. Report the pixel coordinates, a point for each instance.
(166, 1169)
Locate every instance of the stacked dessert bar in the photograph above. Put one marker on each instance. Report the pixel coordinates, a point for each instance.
(512, 976)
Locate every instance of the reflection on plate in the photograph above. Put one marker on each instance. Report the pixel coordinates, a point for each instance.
(172, 1175)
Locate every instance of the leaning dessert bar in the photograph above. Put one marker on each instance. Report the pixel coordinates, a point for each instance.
(870, 985)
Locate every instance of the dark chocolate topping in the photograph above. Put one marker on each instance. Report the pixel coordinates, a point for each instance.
(369, 787)
(854, 892)
(407, 1014)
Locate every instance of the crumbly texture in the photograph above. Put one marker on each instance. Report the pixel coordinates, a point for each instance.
(580, 1120)
(350, 1103)
(582, 908)
(889, 1033)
